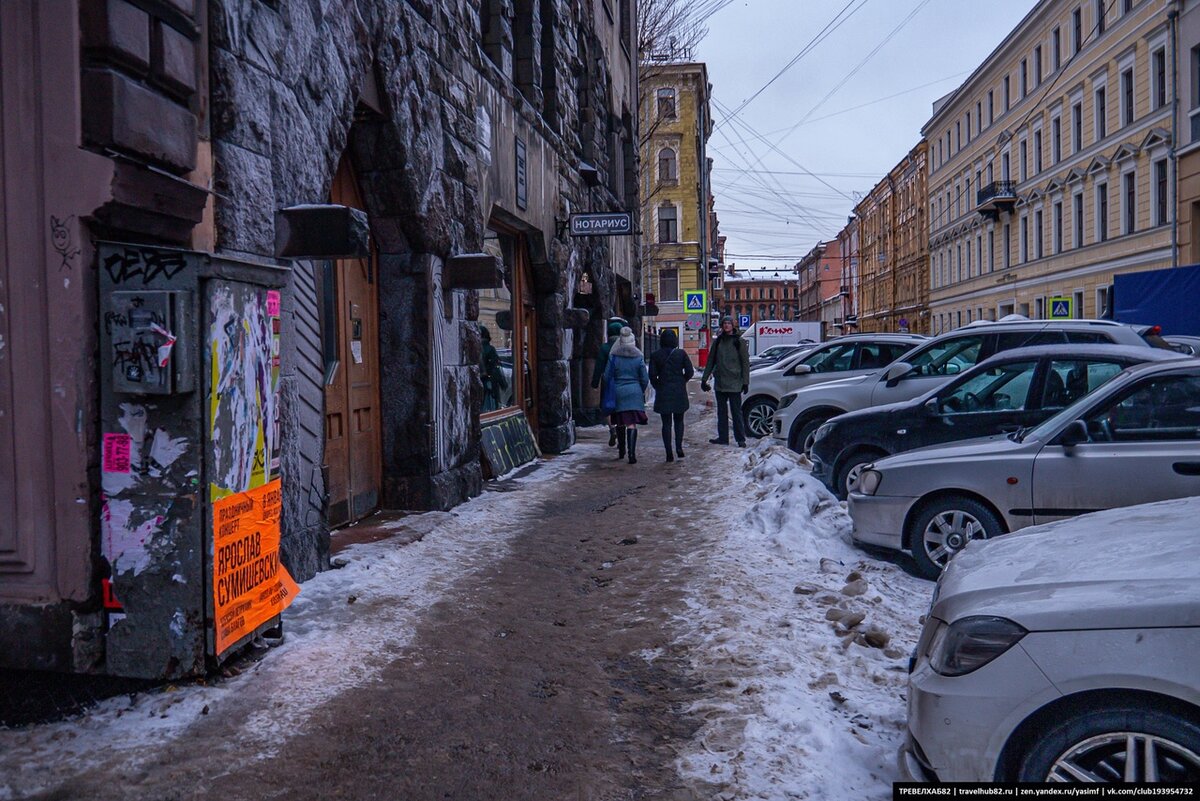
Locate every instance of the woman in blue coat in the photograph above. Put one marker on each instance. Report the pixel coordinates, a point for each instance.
(627, 372)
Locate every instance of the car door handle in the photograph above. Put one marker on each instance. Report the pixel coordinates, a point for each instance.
(1187, 468)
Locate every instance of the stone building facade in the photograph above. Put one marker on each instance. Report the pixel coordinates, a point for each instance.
(761, 295)
(466, 135)
(676, 194)
(821, 288)
(1050, 167)
(894, 242)
(848, 246)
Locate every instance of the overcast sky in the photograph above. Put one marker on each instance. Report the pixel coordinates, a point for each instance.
(777, 210)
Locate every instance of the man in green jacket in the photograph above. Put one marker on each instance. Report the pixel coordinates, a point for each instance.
(729, 360)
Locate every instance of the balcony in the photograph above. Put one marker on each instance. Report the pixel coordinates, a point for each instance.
(996, 197)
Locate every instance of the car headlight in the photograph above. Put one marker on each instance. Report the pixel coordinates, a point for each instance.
(869, 481)
(786, 401)
(822, 432)
(970, 643)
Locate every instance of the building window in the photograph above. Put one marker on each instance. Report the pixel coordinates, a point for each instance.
(1037, 152)
(958, 136)
(1023, 244)
(1101, 212)
(1077, 30)
(668, 223)
(1127, 97)
(667, 165)
(991, 106)
(1102, 302)
(1079, 304)
(991, 251)
(1007, 92)
(1126, 6)
(1056, 139)
(1101, 113)
(958, 261)
(1024, 78)
(1077, 220)
(1077, 127)
(666, 104)
(1101, 20)
(1004, 170)
(979, 116)
(1058, 229)
(968, 273)
(1158, 67)
(668, 284)
(1037, 233)
(1037, 66)
(1160, 192)
(1024, 159)
(1129, 203)
(1056, 48)
(979, 253)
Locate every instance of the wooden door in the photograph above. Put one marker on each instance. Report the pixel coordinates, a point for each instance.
(352, 427)
(525, 341)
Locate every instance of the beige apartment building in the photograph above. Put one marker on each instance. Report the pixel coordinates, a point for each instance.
(1050, 167)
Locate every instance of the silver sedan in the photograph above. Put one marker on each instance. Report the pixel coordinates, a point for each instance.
(1134, 440)
(1064, 653)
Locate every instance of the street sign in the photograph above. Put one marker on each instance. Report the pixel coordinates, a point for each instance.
(1062, 308)
(613, 224)
(694, 322)
(743, 321)
(695, 301)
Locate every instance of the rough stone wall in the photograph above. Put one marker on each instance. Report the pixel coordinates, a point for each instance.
(287, 81)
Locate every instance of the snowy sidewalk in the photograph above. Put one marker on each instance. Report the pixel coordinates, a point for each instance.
(806, 637)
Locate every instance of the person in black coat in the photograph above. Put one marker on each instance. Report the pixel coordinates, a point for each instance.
(670, 370)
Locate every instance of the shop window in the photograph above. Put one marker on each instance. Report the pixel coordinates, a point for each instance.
(508, 325)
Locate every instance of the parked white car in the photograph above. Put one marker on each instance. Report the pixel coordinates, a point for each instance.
(1064, 653)
(1136, 439)
(801, 412)
(844, 356)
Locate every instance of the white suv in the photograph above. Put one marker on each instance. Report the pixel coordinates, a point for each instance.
(844, 356)
(801, 412)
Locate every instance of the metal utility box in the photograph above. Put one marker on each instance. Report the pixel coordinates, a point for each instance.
(189, 444)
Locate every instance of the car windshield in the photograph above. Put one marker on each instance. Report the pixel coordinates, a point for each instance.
(832, 359)
(948, 357)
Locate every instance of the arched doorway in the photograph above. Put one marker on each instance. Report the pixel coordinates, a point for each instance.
(350, 340)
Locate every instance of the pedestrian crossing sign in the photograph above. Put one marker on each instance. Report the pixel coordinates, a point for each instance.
(1062, 308)
(695, 301)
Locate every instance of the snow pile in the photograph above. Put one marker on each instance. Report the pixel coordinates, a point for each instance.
(803, 642)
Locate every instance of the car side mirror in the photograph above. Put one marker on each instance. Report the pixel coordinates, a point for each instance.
(933, 407)
(897, 371)
(1074, 434)
(802, 369)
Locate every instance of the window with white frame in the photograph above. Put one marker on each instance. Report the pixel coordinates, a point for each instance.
(1076, 30)
(1102, 302)
(1158, 78)
(1023, 245)
(1101, 192)
(1161, 217)
(668, 223)
(667, 165)
(1038, 238)
(1079, 304)
(666, 103)
(1127, 100)
(668, 283)
(1100, 111)
(1129, 202)
(991, 251)
(1056, 140)
(1057, 222)
(1056, 48)
(1077, 220)
(1077, 126)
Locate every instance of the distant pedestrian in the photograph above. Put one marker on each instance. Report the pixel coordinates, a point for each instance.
(729, 361)
(614, 332)
(627, 372)
(670, 370)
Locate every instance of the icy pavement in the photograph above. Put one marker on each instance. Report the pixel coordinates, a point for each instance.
(806, 637)
(343, 629)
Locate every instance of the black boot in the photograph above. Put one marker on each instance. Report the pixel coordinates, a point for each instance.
(620, 434)
(679, 437)
(612, 436)
(631, 433)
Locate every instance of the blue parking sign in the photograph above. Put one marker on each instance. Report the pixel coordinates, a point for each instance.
(743, 321)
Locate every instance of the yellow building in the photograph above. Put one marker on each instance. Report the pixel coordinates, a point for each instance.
(676, 125)
(1049, 168)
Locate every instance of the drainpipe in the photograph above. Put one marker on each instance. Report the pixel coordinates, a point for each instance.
(1173, 24)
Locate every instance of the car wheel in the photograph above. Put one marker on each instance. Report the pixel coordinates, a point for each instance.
(757, 413)
(847, 472)
(944, 527)
(803, 441)
(1129, 742)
